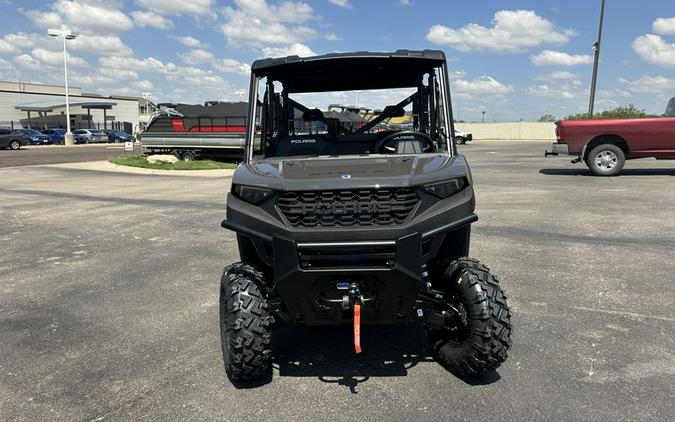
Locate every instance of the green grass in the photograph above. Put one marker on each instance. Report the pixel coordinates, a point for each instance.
(138, 161)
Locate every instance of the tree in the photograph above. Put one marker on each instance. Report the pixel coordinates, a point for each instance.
(547, 118)
(624, 112)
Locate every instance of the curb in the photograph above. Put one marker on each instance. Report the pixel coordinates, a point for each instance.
(106, 166)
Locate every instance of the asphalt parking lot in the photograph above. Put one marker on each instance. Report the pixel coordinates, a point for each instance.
(54, 154)
(108, 303)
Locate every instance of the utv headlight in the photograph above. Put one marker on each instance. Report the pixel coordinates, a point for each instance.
(251, 194)
(446, 188)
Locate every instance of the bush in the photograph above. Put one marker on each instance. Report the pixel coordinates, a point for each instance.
(625, 112)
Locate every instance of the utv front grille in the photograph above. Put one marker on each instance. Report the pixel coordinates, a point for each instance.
(363, 207)
(356, 255)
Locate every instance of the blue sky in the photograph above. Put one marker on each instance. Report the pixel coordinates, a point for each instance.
(514, 59)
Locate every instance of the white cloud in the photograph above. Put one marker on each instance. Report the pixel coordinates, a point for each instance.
(258, 23)
(232, 66)
(481, 85)
(188, 41)
(102, 44)
(558, 58)
(405, 3)
(43, 19)
(546, 90)
(56, 58)
(341, 3)
(93, 15)
(655, 50)
(650, 84)
(21, 40)
(146, 18)
(562, 75)
(197, 56)
(295, 49)
(664, 26)
(167, 7)
(28, 61)
(513, 31)
(7, 47)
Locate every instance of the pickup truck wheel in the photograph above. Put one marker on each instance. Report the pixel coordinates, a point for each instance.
(460, 140)
(245, 324)
(481, 344)
(606, 160)
(14, 145)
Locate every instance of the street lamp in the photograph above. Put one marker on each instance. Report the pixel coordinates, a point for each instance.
(66, 35)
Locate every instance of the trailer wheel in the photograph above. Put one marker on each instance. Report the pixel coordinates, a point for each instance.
(176, 154)
(189, 156)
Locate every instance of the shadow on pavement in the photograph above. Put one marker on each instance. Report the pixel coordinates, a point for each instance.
(328, 354)
(583, 171)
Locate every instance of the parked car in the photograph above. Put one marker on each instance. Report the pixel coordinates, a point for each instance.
(92, 135)
(34, 137)
(605, 145)
(117, 136)
(58, 136)
(12, 139)
(463, 137)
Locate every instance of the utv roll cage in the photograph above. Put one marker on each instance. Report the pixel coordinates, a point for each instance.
(352, 71)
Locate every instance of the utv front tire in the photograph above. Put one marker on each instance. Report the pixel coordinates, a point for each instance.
(245, 324)
(482, 344)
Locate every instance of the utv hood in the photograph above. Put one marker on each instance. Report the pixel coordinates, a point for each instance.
(295, 174)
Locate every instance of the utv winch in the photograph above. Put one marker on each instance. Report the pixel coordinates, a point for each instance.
(356, 217)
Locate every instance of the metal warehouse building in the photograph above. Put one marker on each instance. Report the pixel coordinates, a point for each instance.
(40, 106)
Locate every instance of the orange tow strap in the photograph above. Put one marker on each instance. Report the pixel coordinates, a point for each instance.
(357, 328)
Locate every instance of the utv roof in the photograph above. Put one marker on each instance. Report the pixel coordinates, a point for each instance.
(350, 71)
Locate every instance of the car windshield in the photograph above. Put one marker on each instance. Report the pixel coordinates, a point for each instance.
(398, 111)
(32, 132)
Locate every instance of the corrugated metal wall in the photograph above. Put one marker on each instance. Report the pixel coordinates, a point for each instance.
(513, 130)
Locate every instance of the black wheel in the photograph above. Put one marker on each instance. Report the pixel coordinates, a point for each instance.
(189, 156)
(14, 145)
(481, 342)
(245, 324)
(176, 154)
(606, 160)
(460, 140)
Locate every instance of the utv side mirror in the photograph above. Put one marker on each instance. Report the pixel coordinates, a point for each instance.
(394, 111)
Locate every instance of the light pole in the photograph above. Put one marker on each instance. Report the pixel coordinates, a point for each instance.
(483, 117)
(596, 47)
(66, 35)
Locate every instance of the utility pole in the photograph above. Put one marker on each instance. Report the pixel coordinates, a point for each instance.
(596, 47)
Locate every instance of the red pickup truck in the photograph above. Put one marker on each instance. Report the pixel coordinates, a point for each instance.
(605, 145)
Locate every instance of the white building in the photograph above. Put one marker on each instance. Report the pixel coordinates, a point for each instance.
(40, 106)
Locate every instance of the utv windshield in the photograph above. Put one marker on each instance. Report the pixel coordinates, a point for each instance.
(350, 107)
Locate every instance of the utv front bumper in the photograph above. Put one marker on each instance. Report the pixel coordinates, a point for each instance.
(388, 263)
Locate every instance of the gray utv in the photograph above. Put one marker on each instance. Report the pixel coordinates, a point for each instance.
(356, 217)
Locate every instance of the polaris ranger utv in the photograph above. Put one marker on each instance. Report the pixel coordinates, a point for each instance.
(339, 224)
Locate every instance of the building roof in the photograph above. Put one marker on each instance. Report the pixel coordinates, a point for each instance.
(51, 105)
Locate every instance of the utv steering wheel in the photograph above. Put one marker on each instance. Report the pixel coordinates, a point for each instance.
(383, 147)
